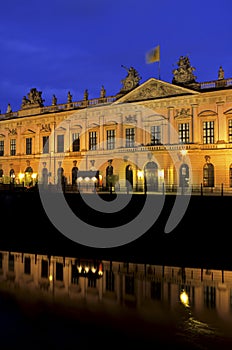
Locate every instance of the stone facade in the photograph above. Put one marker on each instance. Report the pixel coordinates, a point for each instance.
(175, 134)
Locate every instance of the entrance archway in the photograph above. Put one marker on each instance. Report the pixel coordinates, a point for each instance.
(151, 176)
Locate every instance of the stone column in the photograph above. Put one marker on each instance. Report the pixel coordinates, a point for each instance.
(171, 136)
(37, 149)
(101, 133)
(52, 147)
(119, 132)
(221, 123)
(195, 137)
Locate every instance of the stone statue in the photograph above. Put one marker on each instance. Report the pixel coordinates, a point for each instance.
(33, 99)
(9, 109)
(54, 100)
(103, 92)
(131, 81)
(184, 73)
(221, 73)
(86, 95)
(69, 97)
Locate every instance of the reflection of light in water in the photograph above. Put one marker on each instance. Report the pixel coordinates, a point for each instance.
(193, 328)
(184, 298)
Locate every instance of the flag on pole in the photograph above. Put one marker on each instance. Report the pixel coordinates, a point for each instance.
(153, 55)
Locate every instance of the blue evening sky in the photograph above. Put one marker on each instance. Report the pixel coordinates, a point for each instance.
(58, 46)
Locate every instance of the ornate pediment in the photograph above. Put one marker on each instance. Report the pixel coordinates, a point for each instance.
(154, 89)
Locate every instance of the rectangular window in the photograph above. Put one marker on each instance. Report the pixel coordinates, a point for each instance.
(92, 282)
(76, 142)
(156, 135)
(156, 290)
(210, 297)
(92, 140)
(130, 137)
(27, 265)
(74, 275)
(11, 262)
(60, 143)
(230, 130)
(13, 147)
(1, 148)
(59, 271)
(110, 281)
(183, 131)
(45, 144)
(44, 268)
(208, 132)
(129, 285)
(29, 145)
(110, 138)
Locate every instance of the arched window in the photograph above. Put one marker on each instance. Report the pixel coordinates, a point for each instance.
(129, 177)
(208, 175)
(151, 176)
(184, 175)
(12, 175)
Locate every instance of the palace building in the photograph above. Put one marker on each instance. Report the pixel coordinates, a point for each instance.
(155, 135)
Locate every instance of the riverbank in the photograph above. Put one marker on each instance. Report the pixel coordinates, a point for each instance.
(202, 237)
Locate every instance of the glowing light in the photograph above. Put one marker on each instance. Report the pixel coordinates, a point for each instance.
(79, 268)
(184, 298)
(140, 174)
(183, 152)
(87, 179)
(161, 173)
(21, 176)
(50, 278)
(79, 179)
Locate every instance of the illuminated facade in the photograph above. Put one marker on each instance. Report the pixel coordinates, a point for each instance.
(157, 135)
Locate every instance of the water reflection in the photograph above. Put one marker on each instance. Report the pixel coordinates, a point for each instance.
(140, 303)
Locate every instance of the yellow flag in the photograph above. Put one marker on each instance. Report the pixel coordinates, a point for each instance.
(153, 55)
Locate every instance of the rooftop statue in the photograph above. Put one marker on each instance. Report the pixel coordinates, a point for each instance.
(103, 92)
(131, 81)
(33, 99)
(184, 73)
(69, 97)
(221, 73)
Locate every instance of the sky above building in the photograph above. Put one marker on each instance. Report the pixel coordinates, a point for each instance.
(58, 46)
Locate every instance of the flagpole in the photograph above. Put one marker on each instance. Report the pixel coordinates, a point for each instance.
(159, 64)
(159, 70)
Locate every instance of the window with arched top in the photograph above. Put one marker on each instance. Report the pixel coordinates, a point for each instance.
(208, 175)
(151, 176)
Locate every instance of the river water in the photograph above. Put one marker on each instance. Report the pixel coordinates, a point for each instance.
(61, 302)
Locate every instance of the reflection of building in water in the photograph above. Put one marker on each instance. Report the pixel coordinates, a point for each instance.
(165, 131)
(119, 283)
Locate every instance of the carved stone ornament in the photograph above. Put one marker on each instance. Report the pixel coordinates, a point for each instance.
(131, 81)
(33, 99)
(45, 128)
(11, 132)
(183, 112)
(130, 119)
(184, 73)
(153, 89)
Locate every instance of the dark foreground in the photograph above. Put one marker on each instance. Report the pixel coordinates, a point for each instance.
(202, 237)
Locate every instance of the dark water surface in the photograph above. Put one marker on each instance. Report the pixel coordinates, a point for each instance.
(136, 302)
